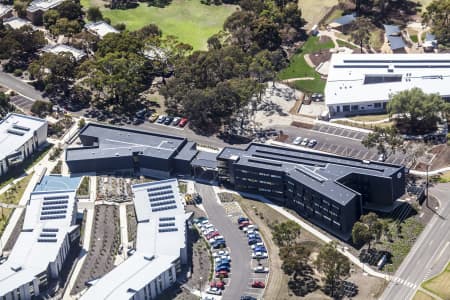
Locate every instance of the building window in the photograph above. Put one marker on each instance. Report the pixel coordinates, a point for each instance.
(346, 108)
(354, 107)
(377, 105)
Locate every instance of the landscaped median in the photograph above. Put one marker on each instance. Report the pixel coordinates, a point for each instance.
(440, 284)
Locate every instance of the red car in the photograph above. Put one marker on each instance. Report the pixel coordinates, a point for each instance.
(212, 234)
(217, 284)
(222, 273)
(258, 284)
(244, 224)
(183, 122)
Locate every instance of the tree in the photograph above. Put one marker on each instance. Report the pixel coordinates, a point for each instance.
(94, 14)
(415, 111)
(295, 259)
(361, 234)
(286, 233)
(333, 264)
(5, 105)
(70, 10)
(384, 139)
(367, 229)
(50, 18)
(81, 123)
(437, 14)
(374, 224)
(41, 108)
(266, 34)
(361, 36)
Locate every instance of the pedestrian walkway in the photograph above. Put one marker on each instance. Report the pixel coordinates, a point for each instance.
(430, 173)
(123, 228)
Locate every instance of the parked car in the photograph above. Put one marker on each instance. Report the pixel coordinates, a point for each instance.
(223, 268)
(297, 140)
(244, 224)
(168, 120)
(260, 249)
(312, 143)
(220, 253)
(381, 157)
(214, 291)
(212, 235)
(217, 284)
(257, 245)
(258, 284)
(153, 117)
(161, 119)
(304, 142)
(250, 227)
(176, 121)
(242, 219)
(199, 220)
(224, 274)
(254, 241)
(259, 254)
(220, 244)
(261, 269)
(183, 122)
(217, 239)
(248, 298)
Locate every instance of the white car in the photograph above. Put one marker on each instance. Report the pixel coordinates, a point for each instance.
(214, 291)
(205, 232)
(220, 253)
(219, 237)
(259, 255)
(250, 227)
(258, 245)
(305, 142)
(261, 269)
(297, 140)
(225, 257)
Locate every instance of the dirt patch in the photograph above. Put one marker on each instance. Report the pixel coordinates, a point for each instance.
(319, 57)
(442, 158)
(282, 138)
(302, 125)
(131, 223)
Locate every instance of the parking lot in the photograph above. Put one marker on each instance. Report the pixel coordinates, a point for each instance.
(22, 102)
(334, 130)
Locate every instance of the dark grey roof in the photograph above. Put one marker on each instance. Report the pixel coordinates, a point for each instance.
(206, 160)
(113, 141)
(188, 152)
(344, 20)
(318, 171)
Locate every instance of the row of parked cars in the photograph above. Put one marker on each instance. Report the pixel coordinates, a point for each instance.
(259, 250)
(168, 120)
(305, 142)
(222, 258)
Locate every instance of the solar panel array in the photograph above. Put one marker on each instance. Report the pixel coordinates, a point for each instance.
(161, 198)
(54, 207)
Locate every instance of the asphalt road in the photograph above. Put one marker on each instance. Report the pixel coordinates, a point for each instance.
(430, 253)
(19, 86)
(240, 261)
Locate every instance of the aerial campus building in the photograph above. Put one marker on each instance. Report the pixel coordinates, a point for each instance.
(48, 233)
(364, 83)
(20, 136)
(100, 28)
(329, 190)
(160, 246)
(37, 8)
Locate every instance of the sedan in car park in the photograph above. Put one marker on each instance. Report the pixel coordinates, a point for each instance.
(224, 274)
(223, 268)
(261, 269)
(176, 121)
(259, 254)
(168, 120)
(254, 241)
(248, 298)
(297, 140)
(304, 142)
(153, 117)
(183, 122)
(220, 253)
(258, 284)
(214, 291)
(260, 249)
(161, 119)
(220, 244)
(312, 143)
(242, 219)
(257, 245)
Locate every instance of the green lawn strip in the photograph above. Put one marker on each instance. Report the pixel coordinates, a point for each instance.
(12, 196)
(190, 21)
(414, 38)
(83, 189)
(402, 243)
(439, 285)
(342, 43)
(310, 86)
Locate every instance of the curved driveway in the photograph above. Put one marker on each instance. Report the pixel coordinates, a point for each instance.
(19, 86)
(240, 263)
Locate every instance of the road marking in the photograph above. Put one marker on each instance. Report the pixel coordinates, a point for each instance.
(440, 253)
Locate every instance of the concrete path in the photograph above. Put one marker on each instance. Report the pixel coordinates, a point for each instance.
(430, 173)
(297, 79)
(20, 87)
(361, 122)
(123, 228)
(86, 238)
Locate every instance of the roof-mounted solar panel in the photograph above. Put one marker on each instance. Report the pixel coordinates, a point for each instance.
(23, 128)
(16, 132)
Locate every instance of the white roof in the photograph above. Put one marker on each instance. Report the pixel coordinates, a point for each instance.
(100, 28)
(43, 5)
(160, 236)
(15, 130)
(4, 9)
(16, 22)
(61, 48)
(45, 228)
(358, 78)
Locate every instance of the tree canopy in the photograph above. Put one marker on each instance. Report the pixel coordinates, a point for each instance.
(384, 139)
(367, 229)
(437, 14)
(417, 112)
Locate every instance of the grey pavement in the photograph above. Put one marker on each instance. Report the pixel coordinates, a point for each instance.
(19, 86)
(240, 263)
(430, 253)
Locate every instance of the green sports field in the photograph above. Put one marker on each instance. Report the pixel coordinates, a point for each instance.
(189, 20)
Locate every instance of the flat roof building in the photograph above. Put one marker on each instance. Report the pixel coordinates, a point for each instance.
(6, 11)
(20, 136)
(364, 83)
(40, 251)
(37, 8)
(311, 183)
(16, 22)
(100, 28)
(61, 48)
(160, 246)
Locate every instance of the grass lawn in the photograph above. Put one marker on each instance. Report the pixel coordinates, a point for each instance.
(422, 296)
(444, 178)
(440, 284)
(299, 68)
(402, 243)
(12, 196)
(364, 125)
(313, 10)
(370, 118)
(342, 43)
(189, 20)
(84, 187)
